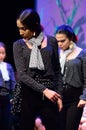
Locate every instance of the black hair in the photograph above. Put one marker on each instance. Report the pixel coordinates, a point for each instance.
(2, 44)
(31, 20)
(68, 31)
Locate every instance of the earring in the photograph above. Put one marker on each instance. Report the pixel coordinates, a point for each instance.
(34, 34)
(71, 45)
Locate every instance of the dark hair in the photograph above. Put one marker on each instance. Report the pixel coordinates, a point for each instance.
(2, 45)
(68, 31)
(31, 20)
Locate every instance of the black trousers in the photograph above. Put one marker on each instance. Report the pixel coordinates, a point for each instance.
(5, 114)
(70, 115)
(34, 105)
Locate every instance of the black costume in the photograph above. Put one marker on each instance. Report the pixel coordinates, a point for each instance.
(34, 81)
(74, 78)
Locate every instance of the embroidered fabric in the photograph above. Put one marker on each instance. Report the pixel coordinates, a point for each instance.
(45, 81)
(17, 100)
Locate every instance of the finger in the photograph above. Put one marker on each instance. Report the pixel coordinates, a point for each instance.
(80, 105)
(58, 95)
(54, 99)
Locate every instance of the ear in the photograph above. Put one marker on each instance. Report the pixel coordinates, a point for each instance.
(34, 34)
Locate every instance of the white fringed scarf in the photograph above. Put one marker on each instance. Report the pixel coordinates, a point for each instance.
(35, 57)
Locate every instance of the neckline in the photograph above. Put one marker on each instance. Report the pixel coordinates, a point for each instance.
(76, 56)
(28, 45)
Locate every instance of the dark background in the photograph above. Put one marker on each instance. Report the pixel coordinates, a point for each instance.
(8, 30)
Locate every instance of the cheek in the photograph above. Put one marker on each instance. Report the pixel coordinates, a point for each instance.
(3, 57)
(66, 44)
(29, 34)
(58, 44)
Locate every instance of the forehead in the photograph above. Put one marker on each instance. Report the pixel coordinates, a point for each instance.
(60, 36)
(2, 49)
(19, 24)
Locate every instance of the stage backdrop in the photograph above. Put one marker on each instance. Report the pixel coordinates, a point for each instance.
(56, 12)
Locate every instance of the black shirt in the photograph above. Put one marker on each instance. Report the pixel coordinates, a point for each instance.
(51, 62)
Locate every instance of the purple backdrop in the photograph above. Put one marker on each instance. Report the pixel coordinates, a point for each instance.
(56, 12)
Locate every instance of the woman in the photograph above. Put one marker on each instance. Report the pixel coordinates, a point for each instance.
(73, 69)
(7, 85)
(37, 63)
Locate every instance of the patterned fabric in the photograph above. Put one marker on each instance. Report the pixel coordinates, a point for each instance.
(45, 81)
(16, 106)
(35, 57)
(21, 56)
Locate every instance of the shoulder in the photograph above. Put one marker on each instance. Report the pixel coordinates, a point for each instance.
(82, 56)
(83, 53)
(52, 40)
(18, 42)
(8, 65)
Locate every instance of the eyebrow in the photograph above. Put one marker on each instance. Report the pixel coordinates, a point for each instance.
(22, 28)
(61, 40)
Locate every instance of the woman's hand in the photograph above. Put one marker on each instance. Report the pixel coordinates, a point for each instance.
(52, 95)
(60, 105)
(81, 103)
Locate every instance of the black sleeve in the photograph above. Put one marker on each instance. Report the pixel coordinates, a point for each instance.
(21, 68)
(56, 65)
(83, 61)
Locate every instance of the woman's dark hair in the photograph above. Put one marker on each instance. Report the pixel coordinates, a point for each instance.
(68, 31)
(2, 45)
(31, 20)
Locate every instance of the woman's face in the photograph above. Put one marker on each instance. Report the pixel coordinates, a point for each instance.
(24, 32)
(2, 53)
(63, 41)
